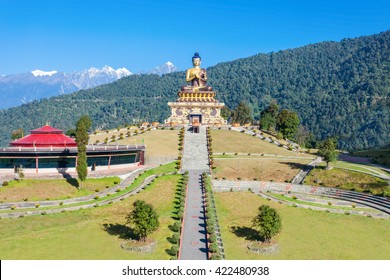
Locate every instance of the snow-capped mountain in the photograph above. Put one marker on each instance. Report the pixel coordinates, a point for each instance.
(22, 88)
(167, 67)
(17, 89)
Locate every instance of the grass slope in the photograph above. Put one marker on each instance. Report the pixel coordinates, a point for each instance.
(230, 141)
(88, 234)
(305, 234)
(347, 179)
(41, 189)
(264, 169)
(159, 143)
(381, 156)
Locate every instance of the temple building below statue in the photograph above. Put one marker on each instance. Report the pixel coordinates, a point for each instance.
(196, 101)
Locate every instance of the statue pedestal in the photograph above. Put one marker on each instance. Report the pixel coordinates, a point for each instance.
(198, 104)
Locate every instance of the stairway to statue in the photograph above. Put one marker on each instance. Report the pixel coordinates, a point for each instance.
(195, 156)
(195, 161)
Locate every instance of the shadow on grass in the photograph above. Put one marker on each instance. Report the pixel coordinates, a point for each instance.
(73, 182)
(69, 179)
(122, 231)
(246, 232)
(297, 165)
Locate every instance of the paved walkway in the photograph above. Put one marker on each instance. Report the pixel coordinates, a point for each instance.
(303, 173)
(195, 161)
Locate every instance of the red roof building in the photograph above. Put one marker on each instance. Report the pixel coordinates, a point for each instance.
(45, 137)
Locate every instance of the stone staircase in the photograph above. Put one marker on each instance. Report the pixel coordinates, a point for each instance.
(193, 245)
(195, 156)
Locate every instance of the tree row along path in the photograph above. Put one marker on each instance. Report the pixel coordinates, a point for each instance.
(193, 244)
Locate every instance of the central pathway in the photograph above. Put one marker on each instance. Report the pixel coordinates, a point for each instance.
(195, 161)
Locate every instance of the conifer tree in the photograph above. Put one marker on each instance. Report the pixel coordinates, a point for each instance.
(82, 137)
(242, 114)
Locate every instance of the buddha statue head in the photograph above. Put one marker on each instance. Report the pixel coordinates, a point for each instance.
(196, 60)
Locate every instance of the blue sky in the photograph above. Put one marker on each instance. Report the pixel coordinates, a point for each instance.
(72, 35)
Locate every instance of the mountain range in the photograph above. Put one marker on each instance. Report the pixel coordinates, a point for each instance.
(337, 89)
(22, 88)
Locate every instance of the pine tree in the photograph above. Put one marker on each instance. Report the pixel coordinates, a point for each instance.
(82, 137)
(242, 114)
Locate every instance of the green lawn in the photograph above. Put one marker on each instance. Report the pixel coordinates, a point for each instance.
(40, 189)
(346, 179)
(230, 141)
(88, 234)
(360, 167)
(305, 235)
(381, 156)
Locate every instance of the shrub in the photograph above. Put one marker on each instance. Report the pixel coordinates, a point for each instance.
(353, 205)
(5, 183)
(13, 207)
(329, 203)
(174, 250)
(216, 256)
(61, 202)
(96, 190)
(210, 229)
(346, 213)
(180, 215)
(294, 197)
(176, 226)
(213, 238)
(25, 199)
(175, 238)
(96, 197)
(214, 248)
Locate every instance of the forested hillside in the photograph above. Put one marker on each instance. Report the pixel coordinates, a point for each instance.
(337, 88)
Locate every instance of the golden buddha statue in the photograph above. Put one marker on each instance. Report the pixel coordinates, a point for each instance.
(196, 76)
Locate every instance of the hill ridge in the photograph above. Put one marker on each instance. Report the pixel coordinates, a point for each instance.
(337, 88)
